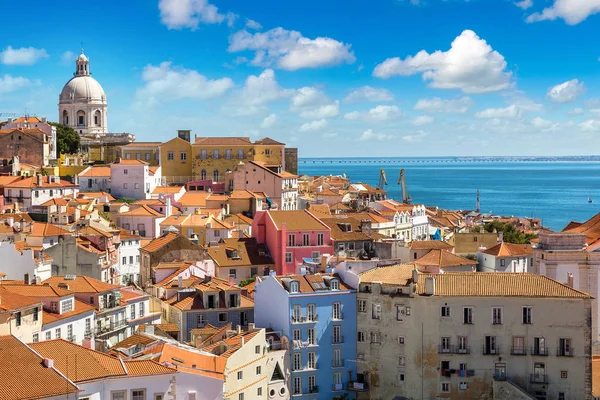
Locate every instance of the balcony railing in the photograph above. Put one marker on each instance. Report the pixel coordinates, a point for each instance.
(300, 344)
(88, 333)
(304, 319)
(538, 378)
(338, 317)
(539, 351)
(337, 340)
(337, 363)
(454, 349)
(72, 338)
(336, 387)
(490, 351)
(562, 352)
(313, 389)
(445, 349)
(113, 326)
(518, 351)
(357, 386)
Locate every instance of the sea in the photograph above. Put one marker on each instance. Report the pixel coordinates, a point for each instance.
(554, 190)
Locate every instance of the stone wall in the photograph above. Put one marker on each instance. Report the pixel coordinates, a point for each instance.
(291, 160)
(507, 390)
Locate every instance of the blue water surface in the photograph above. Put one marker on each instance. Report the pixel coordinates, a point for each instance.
(555, 191)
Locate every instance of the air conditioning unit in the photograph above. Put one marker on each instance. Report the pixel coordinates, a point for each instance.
(462, 385)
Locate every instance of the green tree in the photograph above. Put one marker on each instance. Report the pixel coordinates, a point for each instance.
(248, 281)
(67, 139)
(127, 200)
(509, 232)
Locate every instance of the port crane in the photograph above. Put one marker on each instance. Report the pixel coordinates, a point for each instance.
(382, 180)
(406, 199)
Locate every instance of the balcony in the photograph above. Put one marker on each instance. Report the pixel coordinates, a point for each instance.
(113, 326)
(304, 319)
(490, 351)
(357, 386)
(338, 317)
(448, 349)
(313, 389)
(564, 352)
(337, 387)
(518, 351)
(539, 351)
(337, 340)
(337, 364)
(88, 333)
(72, 338)
(538, 378)
(300, 344)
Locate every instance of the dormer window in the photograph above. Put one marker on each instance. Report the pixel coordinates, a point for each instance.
(334, 284)
(294, 287)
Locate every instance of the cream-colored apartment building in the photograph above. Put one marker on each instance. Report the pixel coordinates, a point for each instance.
(459, 335)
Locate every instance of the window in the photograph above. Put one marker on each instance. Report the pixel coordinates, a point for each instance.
(203, 174)
(18, 318)
(401, 377)
(375, 338)
(362, 306)
(400, 339)
(136, 185)
(138, 394)
(445, 345)
(489, 346)
(462, 386)
(124, 261)
(297, 387)
(36, 314)
(401, 361)
(337, 380)
(138, 156)
(563, 374)
(445, 311)
(527, 311)
(297, 334)
(70, 332)
(445, 387)
(120, 395)
(49, 335)
(297, 362)
(463, 344)
(130, 259)
(518, 345)
(232, 273)
(257, 349)
(564, 348)
(240, 375)
(142, 311)
(296, 313)
(376, 311)
(400, 313)
(336, 311)
(268, 152)
(312, 360)
(294, 287)
(201, 320)
(291, 240)
(502, 262)
(288, 258)
(305, 239)
(467, 315)
(216, 154)
(360, 337)
(125, 171)
(311, 312)
(170, 156)
(147, 156)
(36, 337)
(320, 239)
(222, 317)
(312, 336)
(259, 391)
(312, 383)
(132, 309)
(497, 315)
(337, 334)
(183, 156)
(334, 283)
(240, 154)
(125, 186)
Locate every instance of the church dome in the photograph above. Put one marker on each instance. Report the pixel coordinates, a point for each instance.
(82, 89)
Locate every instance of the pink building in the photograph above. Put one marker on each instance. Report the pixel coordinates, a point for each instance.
(293, 238)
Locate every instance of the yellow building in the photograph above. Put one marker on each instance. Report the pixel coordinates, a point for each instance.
(212, 157)
(20, 316)
(146, 151)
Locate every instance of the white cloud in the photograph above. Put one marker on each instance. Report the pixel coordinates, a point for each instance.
(470, 65)
(566, 91)
(329, 135)
(165, 82)
(9, 83)
(290, 50)
(269, 121)
(543, 124)
(252, 24)
(414, 138)
(22, 56)
(311, 103)
(383, 113)
(422, 120)
(68, 57)
(370, 135)
(524, 4)
(352, 116)
(437, 105)
(576, 111)
(368, 93)
(178, 14)
(511, 111)
(591, 125)
(257, 93)
(572, 11)
(314, 125)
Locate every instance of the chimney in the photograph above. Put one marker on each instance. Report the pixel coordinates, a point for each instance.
(231, 280)
(10, 221)
(118, 160)
(149, 329)
(44, 120)
(40, 180)
(76, 179)
(500, 237)
(57, 179)
(48, 363)
(23, 225)
(251, 326)
(430, 286)
(239, 329)
(168, 207)
(415, 275)
(180, 281)
(570, 279)
(27, 279)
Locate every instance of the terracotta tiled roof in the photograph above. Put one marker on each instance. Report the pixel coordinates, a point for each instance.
(57, 201)
(222, 141)
(96, 195)
(95, 172)
(239, 252)
(443, 259)
(337, 233)
(146, 367)
(572, 225)
(141, 211)
(42, 229)
(13, 301)
(242, 194)
(31, 182)
(311, 283)
(79, 307)
(167, 189)
(191, 361)
(340, 206)
(590, 228)
(134, 340)
(29, 120)
(91, 231)
(498, 284)
(510, 250)
(130, 162)
(300, 220)
(238, 219)
(430, 245)
(142, 144)
(399, 274)
(5, 180)
(193, 199)
(36, 290)
(269, 142)
(82, 284)
(128, 295)
(160, 242)
(25, 377)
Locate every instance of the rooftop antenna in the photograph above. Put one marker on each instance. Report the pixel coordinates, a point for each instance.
(477, 204)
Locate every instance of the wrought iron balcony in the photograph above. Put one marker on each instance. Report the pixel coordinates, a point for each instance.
(337, 363)
(72, 338)
(539, 351)
(490, 351)
(518, 351)
(313, 389)
(538, 378)
(562, 352)
(337, 340)
(357, 386)
(113, 326)
(88, 333)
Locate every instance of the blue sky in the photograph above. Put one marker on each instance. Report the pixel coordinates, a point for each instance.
(358, 78)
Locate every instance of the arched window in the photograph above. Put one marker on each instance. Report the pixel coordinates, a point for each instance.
(203, 174)
(216, 175)
(65, 117)
(80, 118)
(98, 118)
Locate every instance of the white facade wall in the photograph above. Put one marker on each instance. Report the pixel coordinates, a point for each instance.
(38, 196)
(490, 263)
(149, 225)
(271, 307)
(133, 181)
(77, 323)
(129, 261)
(15, 265)
(94, 183)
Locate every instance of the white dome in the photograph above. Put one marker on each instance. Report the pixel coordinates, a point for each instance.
(82, 58)
(82, 89)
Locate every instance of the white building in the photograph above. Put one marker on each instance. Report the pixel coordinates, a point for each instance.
(133, 179)
(506, 257)
(82, 102)
(19, 258)
(95, 179)
(129, 258)
(36, 190)
(417, 221)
